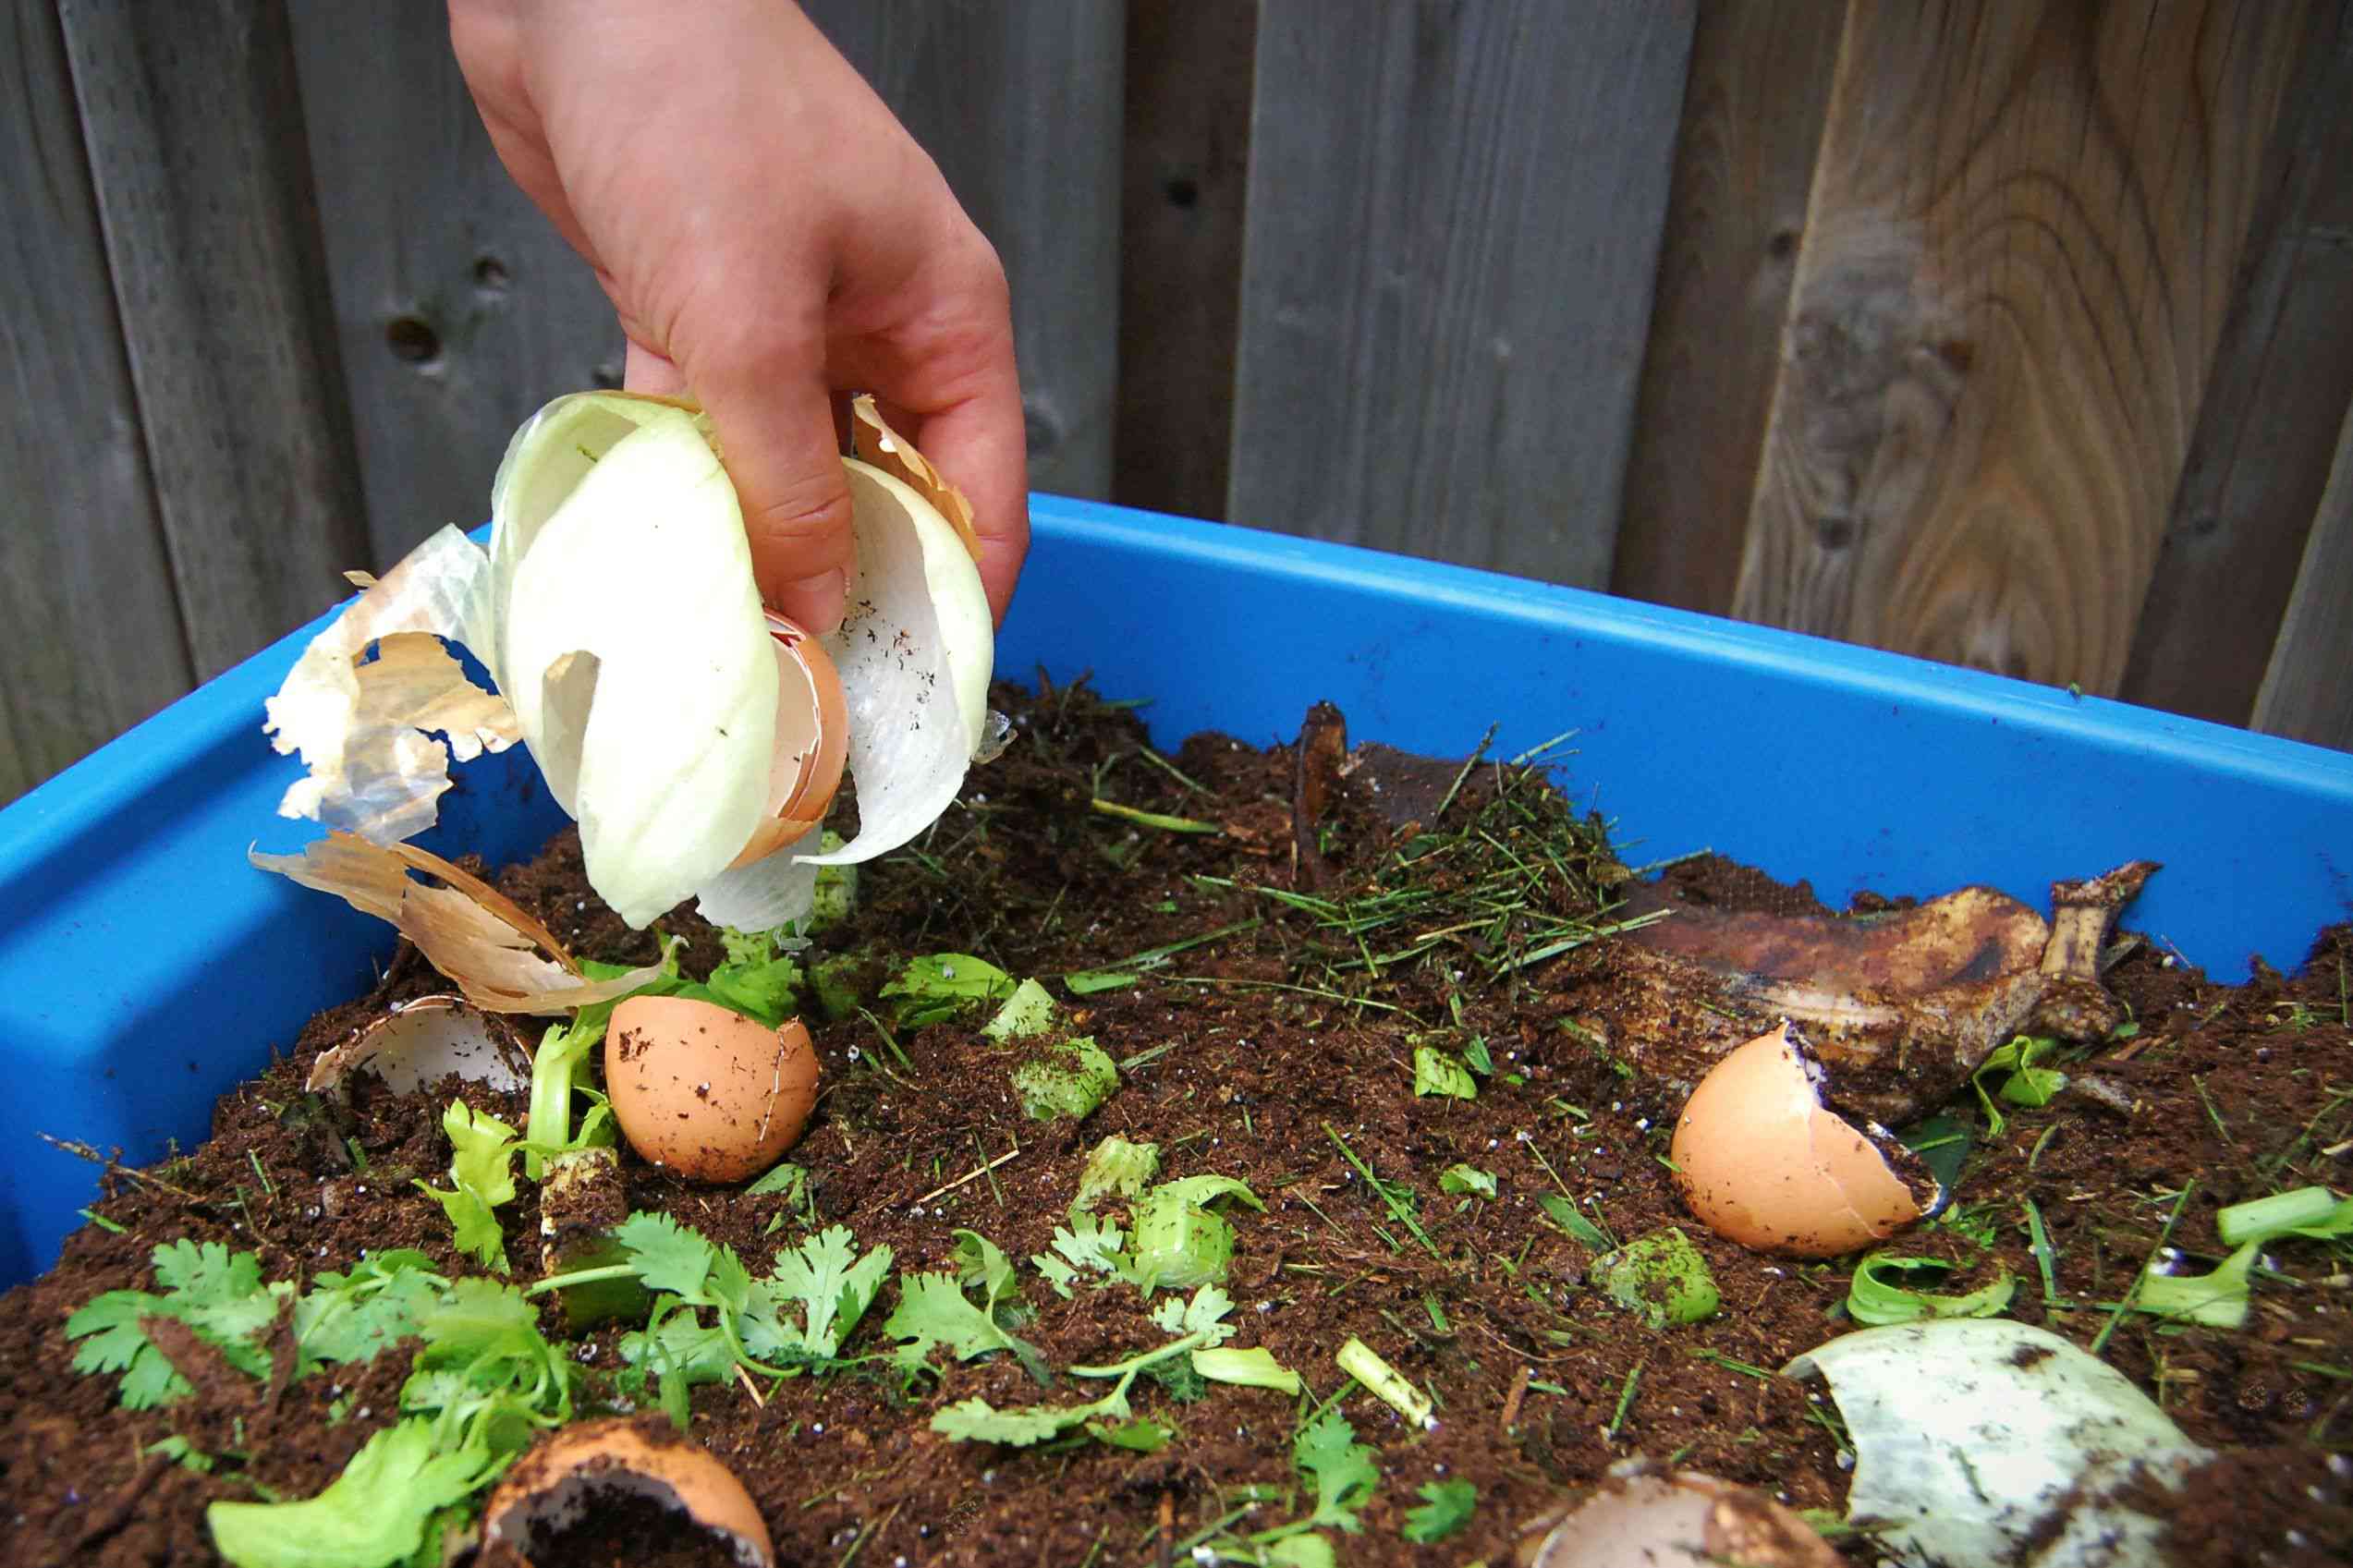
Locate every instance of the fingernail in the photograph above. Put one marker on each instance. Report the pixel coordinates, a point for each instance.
(816, 602)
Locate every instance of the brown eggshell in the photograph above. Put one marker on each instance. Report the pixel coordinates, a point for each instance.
(565, 1476)
(1683, 1520)
(712, 1094)
(813, 740)
(1762, 1162)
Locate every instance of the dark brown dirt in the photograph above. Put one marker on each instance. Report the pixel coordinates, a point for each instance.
(1258, 1055)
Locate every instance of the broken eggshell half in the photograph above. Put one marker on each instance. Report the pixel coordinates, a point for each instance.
(704, 1090)
(1641, 1514)
(420, 1042)
(563, 1478)
(617, 615)
(1761, 1161)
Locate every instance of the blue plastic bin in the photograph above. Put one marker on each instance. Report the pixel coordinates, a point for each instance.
(145, 967)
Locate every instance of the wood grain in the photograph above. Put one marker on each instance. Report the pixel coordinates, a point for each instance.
(192, 124)
(1187, 160)
(2268, 426)
(2306, 694)
(2020, 252)
(90, 631)
(1743, 163)
(1019, 102)
(1454, 226)
(458, 309)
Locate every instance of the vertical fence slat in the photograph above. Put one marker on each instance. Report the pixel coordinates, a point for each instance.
(1019, 102)
(1744, 162)
(1187, 158)
(2305, 693)
(90, 633)
(458, 307)
(1454, 227)
(2022, 244)
(2282, 380)
(192, 124)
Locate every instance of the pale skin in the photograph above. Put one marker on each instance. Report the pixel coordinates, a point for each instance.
(770, 237)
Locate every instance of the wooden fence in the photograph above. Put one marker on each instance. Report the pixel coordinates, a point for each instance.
(2015, 333)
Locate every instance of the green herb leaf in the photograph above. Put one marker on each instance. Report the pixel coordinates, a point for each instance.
(1469, 1179)
(1570, 1219)
(483, 1177)
(1446, 1507)
(942, 986)
(1437, 1071)
(1660, 1275)
(217, 1293)
(1346, 1472)
(1071, 1079)
(375, 1512)
(1029, 1011)
(933, 1311)
(1116, 1169)
(1874, 1297)
(1254, 1368)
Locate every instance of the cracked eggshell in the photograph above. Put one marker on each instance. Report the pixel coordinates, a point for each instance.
(704, 1090)
(1682, 1519)
(1762, 1162)
(565, 1476)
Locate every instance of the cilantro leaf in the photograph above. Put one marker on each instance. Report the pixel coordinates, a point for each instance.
(375, 1512)
(933, 1311)
(482, 1176)
(352, 1317)
(218, 1293)
(975, 1420)
(832, 1283)
(1447, 1507)
(1344, 1470)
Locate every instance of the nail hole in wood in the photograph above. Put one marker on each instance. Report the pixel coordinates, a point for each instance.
(1182, 191)
(413, 339)
(490, 274)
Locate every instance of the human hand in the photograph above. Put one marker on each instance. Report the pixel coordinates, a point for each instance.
(770, 236)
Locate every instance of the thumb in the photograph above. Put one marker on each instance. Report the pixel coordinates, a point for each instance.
(777, 439)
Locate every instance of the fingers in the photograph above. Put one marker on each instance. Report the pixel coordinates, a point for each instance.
(777, 438)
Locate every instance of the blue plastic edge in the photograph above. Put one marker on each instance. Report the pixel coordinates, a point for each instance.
(145, 967)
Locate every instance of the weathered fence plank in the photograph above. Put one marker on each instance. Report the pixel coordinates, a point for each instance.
(1018, 101)
(89, 632)
(2023, 243)
(2273, 408)
(192, 122)
(2306, 694)
(1454, 223)
(1187, 157)
(1744, 162)
(457, 306)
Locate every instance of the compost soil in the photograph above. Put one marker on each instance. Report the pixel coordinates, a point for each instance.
(1277, 1047)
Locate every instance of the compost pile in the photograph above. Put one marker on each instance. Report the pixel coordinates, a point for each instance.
(1379, 994)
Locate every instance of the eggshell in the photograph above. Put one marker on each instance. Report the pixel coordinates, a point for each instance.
(813, 740)
(1762, 1162)
(712, 1094)
(423, 1042)
(561, 1480)
(1684, 1520)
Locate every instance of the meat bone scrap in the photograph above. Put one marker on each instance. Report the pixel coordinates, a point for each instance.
(1900, 1008)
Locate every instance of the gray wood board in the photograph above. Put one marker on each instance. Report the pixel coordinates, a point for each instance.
(90, 640)
(2267, 427)
(2305, 694)
(1187, 157)
(457, 306)
(1455, 216)
(1744, 165)
(1019, 102)
(193, 128)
